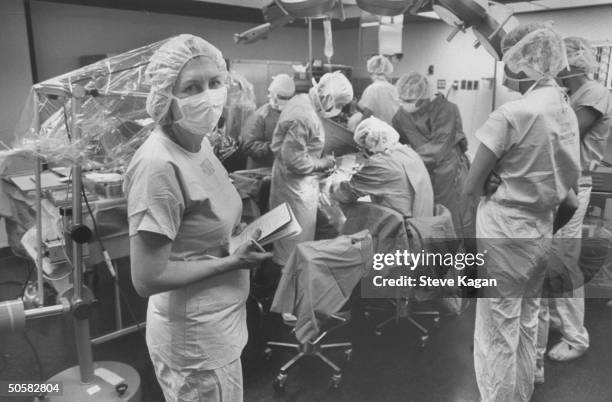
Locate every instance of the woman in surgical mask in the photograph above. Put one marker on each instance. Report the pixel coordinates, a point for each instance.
(393, 175)
(432, 127)
(260, 126)
(297, 145)
(182, 210)
(532, 144)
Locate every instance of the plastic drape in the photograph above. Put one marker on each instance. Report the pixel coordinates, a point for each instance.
(113, 118)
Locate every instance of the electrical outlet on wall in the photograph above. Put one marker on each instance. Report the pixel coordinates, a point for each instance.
(476, 85)
(463, 84)
(469, 85)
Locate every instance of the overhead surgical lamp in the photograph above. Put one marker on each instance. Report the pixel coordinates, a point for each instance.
(308, 8)
(389, 8)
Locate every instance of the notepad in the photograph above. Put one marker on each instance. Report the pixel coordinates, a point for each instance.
(48, 180)
(279, 223)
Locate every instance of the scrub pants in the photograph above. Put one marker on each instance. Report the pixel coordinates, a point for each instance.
(189, 385)
(505, 333)
(568, 312)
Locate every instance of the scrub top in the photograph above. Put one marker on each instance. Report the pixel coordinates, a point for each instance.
(382, 99)
(593, 146)
(257, 137)
(187, 196)
(536, 141)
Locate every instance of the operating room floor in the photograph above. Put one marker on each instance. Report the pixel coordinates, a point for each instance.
(391, 367)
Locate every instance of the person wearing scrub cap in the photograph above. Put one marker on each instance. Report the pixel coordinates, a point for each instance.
(380, 98)
(592, 103)
(259, 128)
(297, 145)
(432, 127)
(240, 106)
(393, 176)
(182, 210)
(532, 144)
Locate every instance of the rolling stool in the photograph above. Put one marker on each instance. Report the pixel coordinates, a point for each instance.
(312, 348)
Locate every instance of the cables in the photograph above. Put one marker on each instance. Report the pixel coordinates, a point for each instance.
(109, 263)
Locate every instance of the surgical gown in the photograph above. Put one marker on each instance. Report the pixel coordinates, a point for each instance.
(257, 137)
(536, 142)
(434, 131)
(297, 145)
(396, 178)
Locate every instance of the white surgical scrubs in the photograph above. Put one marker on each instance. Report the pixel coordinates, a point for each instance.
(381, 98)
(195, 334)
(297, 145)
(570, 310)
(536, 142)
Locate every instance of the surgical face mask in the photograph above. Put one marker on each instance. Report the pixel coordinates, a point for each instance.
(327, 112)
(200, 112)
(514, 84)
(409, 107)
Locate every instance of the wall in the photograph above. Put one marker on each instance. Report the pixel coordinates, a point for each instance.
(102, 30)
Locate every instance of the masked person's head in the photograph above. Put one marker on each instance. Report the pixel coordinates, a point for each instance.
(379, 67)
(331, 94)
(532, 52)
(413, 90)
(240, 91)
(188, 79)
(580, 58)
(374, 136)
(280, 91)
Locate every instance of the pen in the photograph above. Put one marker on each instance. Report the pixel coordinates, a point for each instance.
(257, 246)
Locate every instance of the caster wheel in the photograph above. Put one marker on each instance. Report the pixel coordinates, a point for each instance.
(267, 354)
(436, 322)
(348, 355)
(424, 339)
(279, 383)
(335, 381)
(378, 332)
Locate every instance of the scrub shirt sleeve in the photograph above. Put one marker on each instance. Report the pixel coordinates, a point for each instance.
(155, 200)
(367, 99)
(255, 144)
(373, 178)
(294, 149)
(495, 133)
(597, 98)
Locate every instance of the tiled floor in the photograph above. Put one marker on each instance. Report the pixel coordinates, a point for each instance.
(387, 368)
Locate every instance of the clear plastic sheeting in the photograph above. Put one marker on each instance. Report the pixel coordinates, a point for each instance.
(113, 119)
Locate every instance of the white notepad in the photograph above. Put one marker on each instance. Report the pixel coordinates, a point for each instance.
(277, 224)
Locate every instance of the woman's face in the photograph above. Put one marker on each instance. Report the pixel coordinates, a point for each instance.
(198, 75)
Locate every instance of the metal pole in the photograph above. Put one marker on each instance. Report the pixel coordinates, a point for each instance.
(118, 310)
(39, 240)
(310, 46)
(81, 326)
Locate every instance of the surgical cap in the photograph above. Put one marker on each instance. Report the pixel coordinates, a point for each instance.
(240, 90)
(166, 64)
(282, 85)
(540, 53)
(379, 65)
(580, 54)
(412, 87)
(375, 135)
(518, 33)
(338, 86)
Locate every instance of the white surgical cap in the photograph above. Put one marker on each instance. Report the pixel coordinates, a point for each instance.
(166, 64)
(282, 85)
(540, 53)
(240, 90)
(580, 54)
(375, 135)
(338, 86)
(412, 87)
(380, 65)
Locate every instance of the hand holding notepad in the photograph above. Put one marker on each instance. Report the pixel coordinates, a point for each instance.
(279, 223)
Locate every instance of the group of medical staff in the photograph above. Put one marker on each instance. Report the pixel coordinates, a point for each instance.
(530, 177)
